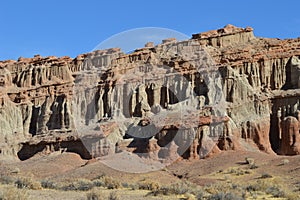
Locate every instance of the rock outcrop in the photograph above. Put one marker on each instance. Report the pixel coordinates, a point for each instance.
(220, 90)
(290, 136)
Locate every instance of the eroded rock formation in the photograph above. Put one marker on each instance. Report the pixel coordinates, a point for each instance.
(223, 89)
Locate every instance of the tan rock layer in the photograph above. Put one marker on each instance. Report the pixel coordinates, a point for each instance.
(260, 82)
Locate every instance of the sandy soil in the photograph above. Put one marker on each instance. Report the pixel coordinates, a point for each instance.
(65, 167)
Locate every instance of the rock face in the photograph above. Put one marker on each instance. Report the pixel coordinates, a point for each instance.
(223, 89)
(290, 136)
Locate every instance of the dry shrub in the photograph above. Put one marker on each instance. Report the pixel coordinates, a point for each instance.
(149, 185)
(12, 193)
(95, 194)
(80, 185)
(266, 175)
(179, 188)
(111, 183)
(272, 187)
(225, 196)
(285, 162)
(114, 196)
(48, 184)
(7, 179)
(249, 161)
(28, 183)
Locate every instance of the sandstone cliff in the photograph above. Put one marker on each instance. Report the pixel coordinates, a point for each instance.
(220, 90)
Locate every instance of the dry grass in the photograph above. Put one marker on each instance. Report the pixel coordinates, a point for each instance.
(271, 186)
(275, 178)
(79, 185)
(9, 192)
(264, 186)
(95, 194)
(27, 183)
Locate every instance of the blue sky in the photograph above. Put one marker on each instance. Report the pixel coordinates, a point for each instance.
(65, 27)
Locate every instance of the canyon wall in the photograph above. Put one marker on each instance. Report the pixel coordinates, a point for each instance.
(220, 90)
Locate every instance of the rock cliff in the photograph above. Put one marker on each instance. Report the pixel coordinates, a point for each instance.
(223, 89)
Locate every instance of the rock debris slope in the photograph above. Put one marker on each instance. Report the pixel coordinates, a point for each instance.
(221, 90)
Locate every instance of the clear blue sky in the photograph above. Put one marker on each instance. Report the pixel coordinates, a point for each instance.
(65, 27)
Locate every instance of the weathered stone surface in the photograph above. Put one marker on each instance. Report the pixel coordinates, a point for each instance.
(95, 100)
(290, 144)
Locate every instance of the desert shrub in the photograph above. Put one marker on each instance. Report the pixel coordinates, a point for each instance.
(12, 193)
(216, 188)
(251, 188)
(154, 186)
(125, 185)
(191, 191)
(232, 171)
(143, 186)
(108, 182)
(99, 182)
(161, 191)
(199, 195)
(259, 185)
(224, 196)
(7, 180)
(169, 190)
(266, 175)
(275, 192)
(85, 185)
(149, 185)
(249, 161)
(238, 171)
(268, 187)
(95, 195)
(133, 186)
(114, 196)
(102, 175)
(111, 183)
(48, 184)
(285, 162)
(179, 188)
(292, 196)
(81, 185)
(27, 182)
(189, 196)
(272, 188)
(253, 166)
(225, 191)
(15, 171)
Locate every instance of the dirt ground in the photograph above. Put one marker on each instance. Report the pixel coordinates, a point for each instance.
(228, 167)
